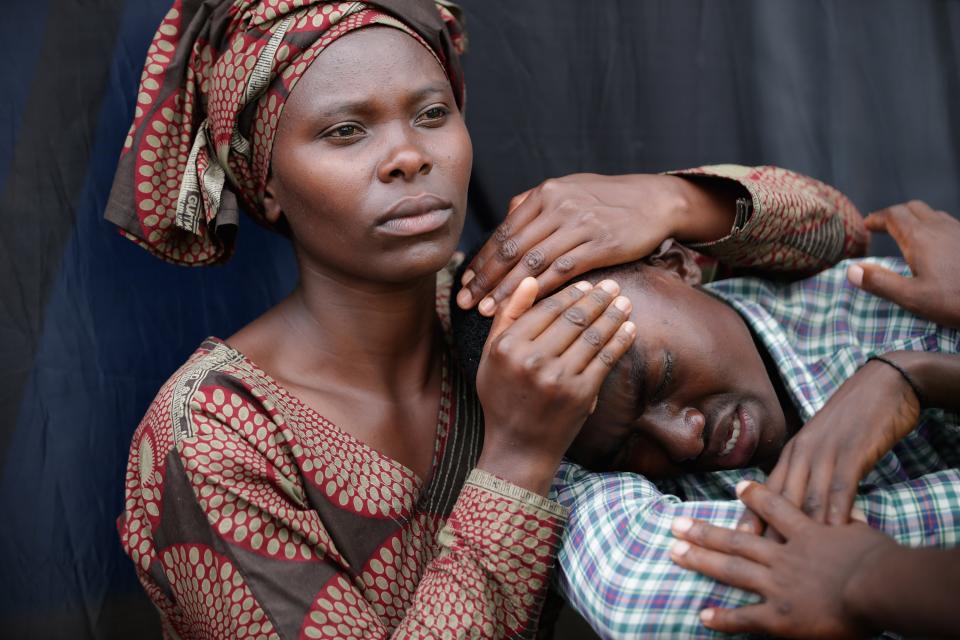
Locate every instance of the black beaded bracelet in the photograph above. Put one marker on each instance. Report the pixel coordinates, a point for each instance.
(902, 372)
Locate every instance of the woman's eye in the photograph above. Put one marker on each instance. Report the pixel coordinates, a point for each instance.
(345, 131)
(433, 115)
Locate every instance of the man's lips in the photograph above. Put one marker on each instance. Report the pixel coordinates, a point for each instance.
(414, 215)
(732, 441)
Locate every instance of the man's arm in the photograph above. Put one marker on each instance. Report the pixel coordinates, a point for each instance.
(615, 565)
(821, 581)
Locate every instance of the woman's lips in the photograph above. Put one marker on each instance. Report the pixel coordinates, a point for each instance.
(416, 215)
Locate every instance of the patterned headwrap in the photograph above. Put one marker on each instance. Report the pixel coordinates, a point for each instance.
(214, 83)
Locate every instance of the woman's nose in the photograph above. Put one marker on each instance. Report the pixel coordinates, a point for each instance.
(405, 161)
(680, 431)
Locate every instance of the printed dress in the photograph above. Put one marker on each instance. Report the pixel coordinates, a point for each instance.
(249, 515)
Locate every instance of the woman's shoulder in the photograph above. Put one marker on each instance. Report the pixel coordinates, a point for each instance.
(215, 373)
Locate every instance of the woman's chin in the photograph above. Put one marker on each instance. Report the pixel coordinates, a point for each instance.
(412, 263)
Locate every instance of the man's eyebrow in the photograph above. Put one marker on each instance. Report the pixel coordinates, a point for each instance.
(638, 376)
(335, 109)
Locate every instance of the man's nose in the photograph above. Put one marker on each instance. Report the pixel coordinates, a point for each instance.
(405, 160)
(679, 430)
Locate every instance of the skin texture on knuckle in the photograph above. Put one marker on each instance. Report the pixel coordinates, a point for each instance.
(564, 265)
(607, 357)
(550, 305)
(575, 316)
(508, 250)
(480, 282)
(592, 336)
(533, 363)
(600, 297)
(534, 261)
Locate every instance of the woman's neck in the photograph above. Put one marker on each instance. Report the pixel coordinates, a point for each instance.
(383, 334)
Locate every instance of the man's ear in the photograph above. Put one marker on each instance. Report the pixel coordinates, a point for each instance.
(673, 257)
(271, 206)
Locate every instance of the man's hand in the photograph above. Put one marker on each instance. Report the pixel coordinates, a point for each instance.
(820, 468)
(930, 242)
(805, 582)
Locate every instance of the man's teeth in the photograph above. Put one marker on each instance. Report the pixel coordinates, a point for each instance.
(734, 436)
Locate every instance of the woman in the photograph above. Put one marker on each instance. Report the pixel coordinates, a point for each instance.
(260, 500)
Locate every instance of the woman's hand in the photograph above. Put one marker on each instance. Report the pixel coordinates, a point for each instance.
(568, 226)
(540, 374)
(806, 583)
(930, 242)
(820, 468)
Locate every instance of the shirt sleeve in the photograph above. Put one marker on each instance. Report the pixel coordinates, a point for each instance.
(227, 546)
(615, 567)
(789, 223)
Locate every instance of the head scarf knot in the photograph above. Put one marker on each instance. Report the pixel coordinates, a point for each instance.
(215, 80)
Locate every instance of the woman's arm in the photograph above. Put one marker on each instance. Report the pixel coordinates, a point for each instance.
(227, 545)
(750, 217)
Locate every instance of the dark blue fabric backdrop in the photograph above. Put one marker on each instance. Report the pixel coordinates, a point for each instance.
(862, 94)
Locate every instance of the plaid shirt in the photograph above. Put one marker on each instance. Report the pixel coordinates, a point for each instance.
(615, 567)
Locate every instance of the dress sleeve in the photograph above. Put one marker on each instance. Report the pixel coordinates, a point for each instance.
(615, 567)
(226, 545)
(789, 222)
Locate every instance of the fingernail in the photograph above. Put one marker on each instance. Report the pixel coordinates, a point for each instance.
(855, 275)
(487, 305)
(742, 486)
(680, 548)
(682, 524)
(746, 528)
(629, 327)
(464, 298)
(584, 286)
(610, 287)
(706, 615)
(467, 277)
(622, 303)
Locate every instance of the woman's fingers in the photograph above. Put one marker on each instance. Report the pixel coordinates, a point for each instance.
(576, 320)
(518, 304)
(544, 313)
(595, 337)
(538, 258)
(599, 368)
(481, 274)
(729, 541)
(574, 262)
(772, 508)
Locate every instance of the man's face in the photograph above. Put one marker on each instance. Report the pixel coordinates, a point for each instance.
(692, 394)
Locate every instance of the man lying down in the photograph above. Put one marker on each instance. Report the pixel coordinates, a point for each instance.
(720, 379)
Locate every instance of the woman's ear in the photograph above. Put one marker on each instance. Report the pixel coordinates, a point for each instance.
(271, 206)
(674, 258)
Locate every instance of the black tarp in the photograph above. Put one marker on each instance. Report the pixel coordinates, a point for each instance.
(864, 94)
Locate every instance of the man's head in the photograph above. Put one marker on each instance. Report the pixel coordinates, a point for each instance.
(691, 394)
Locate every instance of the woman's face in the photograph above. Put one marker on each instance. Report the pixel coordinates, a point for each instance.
(371, 161)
